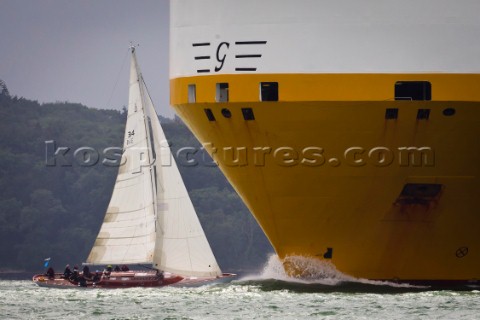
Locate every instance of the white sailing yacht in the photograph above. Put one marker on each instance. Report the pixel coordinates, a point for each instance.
(150, 219)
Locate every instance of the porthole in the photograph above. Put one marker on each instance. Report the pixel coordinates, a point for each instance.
(448, 112)
(226, 113)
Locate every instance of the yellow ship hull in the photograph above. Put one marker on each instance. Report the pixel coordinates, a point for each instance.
(324, 171)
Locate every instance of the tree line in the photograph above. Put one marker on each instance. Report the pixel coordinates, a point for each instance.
(56, 211)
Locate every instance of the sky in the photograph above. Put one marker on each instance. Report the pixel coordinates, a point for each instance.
(77, 50)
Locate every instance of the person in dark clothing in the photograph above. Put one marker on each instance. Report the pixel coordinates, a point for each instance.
(117, 269)
(82, 282)
(96, 277)
(67, 273)
(75, 275)
(125, 268)
(50, 273)
(86, 272)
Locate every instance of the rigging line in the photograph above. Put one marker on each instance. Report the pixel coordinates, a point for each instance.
(118, 78)
(150, 97)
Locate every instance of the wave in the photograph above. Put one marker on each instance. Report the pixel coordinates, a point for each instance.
(300, 273)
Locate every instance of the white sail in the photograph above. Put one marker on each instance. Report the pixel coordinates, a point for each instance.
(127, 234)
(182, 247)
(149, 190)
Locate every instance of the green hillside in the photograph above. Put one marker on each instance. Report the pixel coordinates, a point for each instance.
(56, 211)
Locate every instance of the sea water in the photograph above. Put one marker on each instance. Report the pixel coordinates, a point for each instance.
(323, 294)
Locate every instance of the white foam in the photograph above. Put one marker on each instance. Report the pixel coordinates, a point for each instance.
(309, 270)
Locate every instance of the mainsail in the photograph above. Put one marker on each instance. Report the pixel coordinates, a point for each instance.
(150, 218)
